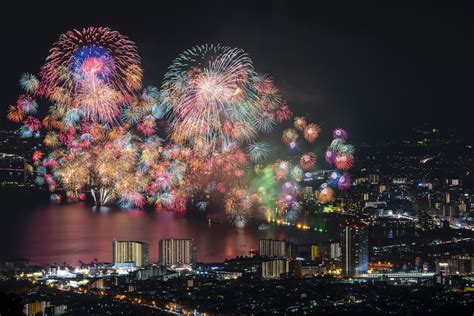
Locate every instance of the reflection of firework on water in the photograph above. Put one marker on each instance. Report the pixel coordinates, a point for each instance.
(307, 160)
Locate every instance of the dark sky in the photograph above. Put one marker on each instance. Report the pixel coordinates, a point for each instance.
(377, 69)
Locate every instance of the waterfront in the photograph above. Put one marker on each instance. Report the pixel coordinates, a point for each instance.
(51, 232)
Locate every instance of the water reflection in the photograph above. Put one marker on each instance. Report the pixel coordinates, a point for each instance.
(58, 233)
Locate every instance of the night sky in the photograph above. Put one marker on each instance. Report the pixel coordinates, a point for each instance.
(376, 69)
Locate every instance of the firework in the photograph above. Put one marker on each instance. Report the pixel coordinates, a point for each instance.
(299, 123)
(97, 101)
(265, 121)
(281, 169)
(296, 173)
(206, 87)
(330, 156)
(344, 182)
(37, 155)
(101, 128)
(294, 212)
(238, 206)
(73, 174)
(87, 68)
(32, 123)
(91, 52)
(307, 160)
(29, 83)
(202, 205)
(340, 133)
(344, 162)
(311, 132)
(289, 135)
(258, 151)
(326, 195)
(283, 113)
(347, 149)
(334, 178)
(336, 144)
(14, 114)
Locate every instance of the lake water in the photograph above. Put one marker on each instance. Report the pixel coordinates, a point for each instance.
(31, 227)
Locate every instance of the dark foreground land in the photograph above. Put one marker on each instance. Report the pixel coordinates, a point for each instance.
(203, 295)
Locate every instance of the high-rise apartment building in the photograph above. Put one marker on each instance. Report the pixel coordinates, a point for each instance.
(175, 251)
(273, 269)
(277, 248)
(354, 249)
(135, 252)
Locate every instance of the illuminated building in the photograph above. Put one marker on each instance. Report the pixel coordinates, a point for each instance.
(374, 179)
(380, 266)
(334, 250)
(175, 251)
(273, 269)
(354, 250)
(277, 248)
(308, 194)
(12, 170)
(126, 252)
(98, 284)
(35, 308)
(311, 270)
(44, 308)
(365, 196)
(319, 251)
(314, 252)
(150, 272)
(457, 264)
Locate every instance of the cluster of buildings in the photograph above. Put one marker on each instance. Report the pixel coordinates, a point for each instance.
(135, 254)
(15, 159)
(348, 257)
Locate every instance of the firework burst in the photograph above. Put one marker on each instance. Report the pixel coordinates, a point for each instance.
(308, 160)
